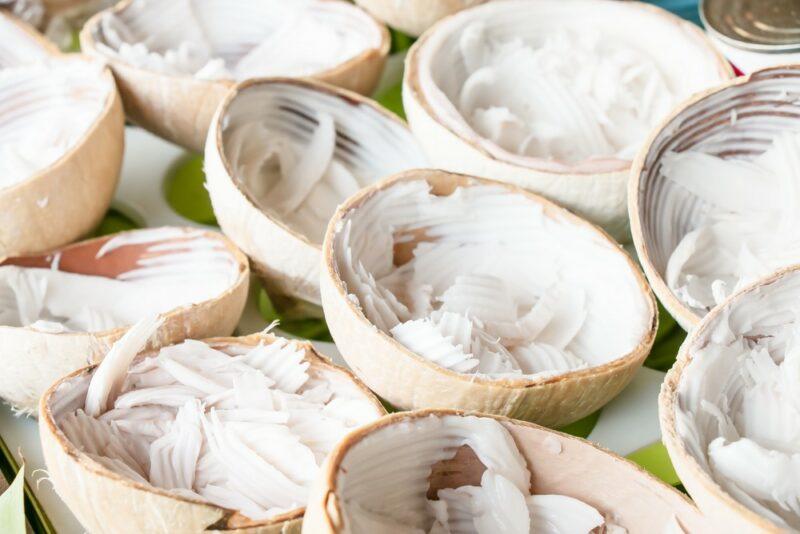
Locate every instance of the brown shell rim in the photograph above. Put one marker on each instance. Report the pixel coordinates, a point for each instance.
(551, 210)
(88, 42)
(241, 521)
(413, 75)
(100, 121)
(336, 456)
(634, 186)
(349, 97)
(668, 399)
(235, 253)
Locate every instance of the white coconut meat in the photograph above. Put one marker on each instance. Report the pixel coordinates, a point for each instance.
(298, 150)
(214, 40)
(399, 499)
(178, 268)
(45, 111)
(483, 281)
(552, 85)
(738, 401)
(18, 45)
(748, 225)
(240, 426)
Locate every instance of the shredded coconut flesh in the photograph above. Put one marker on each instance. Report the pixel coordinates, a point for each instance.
(738, 409)
(748, 227)
(559, 86)
(45, 110)
(377, 500)
(494, 286)
(190, 269)
(16, 45)
(211, 40)
(244, 427)
(300, 152)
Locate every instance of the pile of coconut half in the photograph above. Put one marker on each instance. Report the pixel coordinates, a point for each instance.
(467, 264)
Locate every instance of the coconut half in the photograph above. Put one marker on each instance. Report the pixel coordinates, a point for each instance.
(449, 472)
(730, 409)
(712, 195)
(61, 143)
(554, 96)
(62, 311)
(281, 156)
(175, 60)
(447, 291)
(414, 16)
(221, 435)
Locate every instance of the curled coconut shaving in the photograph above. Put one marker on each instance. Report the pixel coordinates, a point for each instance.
(396, 501)
(212, 40)
(748, 228)
(571, 97)
(738, 410)
(494, 287)
(242, 427)
(45, 110)
(191, 269)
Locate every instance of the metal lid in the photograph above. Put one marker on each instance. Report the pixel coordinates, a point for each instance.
(760, 25)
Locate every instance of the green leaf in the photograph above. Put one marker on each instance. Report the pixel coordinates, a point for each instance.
(115, 221)
(12, 505)
(664, 353)
(582, 427)
(666, 324)
(392, 99)
(293, 322)
(400, 41)
(655, 459)
(186, 193)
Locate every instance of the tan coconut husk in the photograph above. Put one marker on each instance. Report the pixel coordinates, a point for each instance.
(409, 381)
(595, 189)
(180, 108)
(34, 359)
(288, 261)
(414, 16)
(68, 198)
(560, 464)
(722, 510)
(104, 501)
(656, 226)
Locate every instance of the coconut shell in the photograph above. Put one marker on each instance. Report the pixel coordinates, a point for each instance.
(560, 464)
(595, 189)
(723, 511)
(288, 261)
(414, 16)
(104, 501)
(34, 359)
(661, 212)
(76, 189)
(409, 381)
(180, 108)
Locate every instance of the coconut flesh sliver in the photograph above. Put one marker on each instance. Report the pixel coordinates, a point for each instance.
(242, 427)
(482, 282)
(374, 501)
(45, 110)
(749, 227)
(738, 409)
(569, 96)
(194, 270)
(297, 38)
